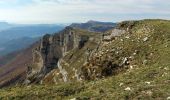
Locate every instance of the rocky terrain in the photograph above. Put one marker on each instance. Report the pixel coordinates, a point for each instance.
(129, 61)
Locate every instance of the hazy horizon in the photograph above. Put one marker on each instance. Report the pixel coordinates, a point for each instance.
(71, 11)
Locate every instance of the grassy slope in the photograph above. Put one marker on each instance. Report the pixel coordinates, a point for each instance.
(7, 58)
(16, 68)
(156, 71)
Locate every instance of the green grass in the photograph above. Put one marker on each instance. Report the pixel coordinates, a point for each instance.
(102, 89)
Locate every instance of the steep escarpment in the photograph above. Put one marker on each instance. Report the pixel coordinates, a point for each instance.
(47, 57)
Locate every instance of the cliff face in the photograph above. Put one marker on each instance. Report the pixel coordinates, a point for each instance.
(52, 48)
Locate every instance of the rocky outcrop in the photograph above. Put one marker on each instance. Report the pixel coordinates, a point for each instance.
(114, 33)
(51, 49)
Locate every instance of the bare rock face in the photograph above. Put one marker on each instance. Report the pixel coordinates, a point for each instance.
(115, 33)
(73, 55)
(51, 49)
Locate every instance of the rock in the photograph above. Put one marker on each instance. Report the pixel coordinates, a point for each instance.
(149, 92)
(125, 61)
(166, 46)
(26, 82)
(145, 39)
(127, 37)
(131, 57)
(120, 84)
(73, 99)
(148, 83)
(134, 53)
(117, 52)
(166, 68)
(164, 74)
(131, 67)
(168, 98)
(145, 62)
(151, 54)
(63, 71)
(127, 89)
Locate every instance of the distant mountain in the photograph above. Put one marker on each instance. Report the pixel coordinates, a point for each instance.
(16, 37)
(94, 26)
(5, 25)
(29, 31)
(16, 44)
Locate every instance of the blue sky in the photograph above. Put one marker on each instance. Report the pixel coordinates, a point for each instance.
(68, 11)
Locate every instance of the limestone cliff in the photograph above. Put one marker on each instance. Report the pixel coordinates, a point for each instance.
(48, 56)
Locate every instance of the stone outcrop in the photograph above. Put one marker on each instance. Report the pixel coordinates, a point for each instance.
(114, 33)
(51, 48)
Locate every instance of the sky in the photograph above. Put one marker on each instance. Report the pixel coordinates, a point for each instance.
(69, 11)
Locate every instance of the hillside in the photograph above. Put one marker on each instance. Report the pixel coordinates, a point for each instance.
(130, 62)
(14, 68)
(5, 59)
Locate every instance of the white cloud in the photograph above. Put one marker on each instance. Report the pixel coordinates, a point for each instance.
(53, 11)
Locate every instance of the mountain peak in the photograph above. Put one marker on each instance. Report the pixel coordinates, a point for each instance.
(4, 22)
(92, 21)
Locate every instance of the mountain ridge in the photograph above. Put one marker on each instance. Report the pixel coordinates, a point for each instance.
(94, 26)
(129, 61)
